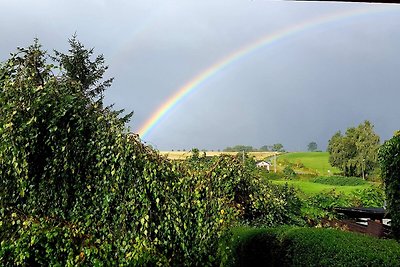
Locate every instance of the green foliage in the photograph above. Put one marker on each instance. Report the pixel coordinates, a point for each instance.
(390, 166)
(339, 181)
(293, 246)
(266, 148)
(356, 152)
(78, 189)
(273, 176)
(79, 67)
(240, 148)
(278, 147)
(63, 166)
(373, 196)
(299, 164)
(288, 172)
(255, 201)
(275, 147)
(321, 205)
(312, 146)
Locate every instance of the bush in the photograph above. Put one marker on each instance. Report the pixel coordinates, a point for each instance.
(390, 165)
(370, 197)
(289, 173)
(293, 246)
(273, 175)
(322, 205)
(77, 188)
(339, 181)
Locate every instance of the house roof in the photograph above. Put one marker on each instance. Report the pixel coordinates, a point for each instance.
(264, 162)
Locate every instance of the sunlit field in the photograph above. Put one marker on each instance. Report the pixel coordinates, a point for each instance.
(182, 155)
(317, 162)
(309, 188)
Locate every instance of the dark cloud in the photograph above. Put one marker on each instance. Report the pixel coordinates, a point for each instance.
(301, 89)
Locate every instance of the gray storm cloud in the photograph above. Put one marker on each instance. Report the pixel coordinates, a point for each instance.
(301, 89)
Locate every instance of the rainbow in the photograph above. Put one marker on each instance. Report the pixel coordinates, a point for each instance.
(269, 39)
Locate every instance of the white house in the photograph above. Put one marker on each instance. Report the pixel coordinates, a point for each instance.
(264, 164)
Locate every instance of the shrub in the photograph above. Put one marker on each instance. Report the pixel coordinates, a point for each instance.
(288, 172)
(321, 205)
(293, 246)
(315, 208)
(390, 165)
(339, 181)
(299, 164)
(373, 196)
(273, 175)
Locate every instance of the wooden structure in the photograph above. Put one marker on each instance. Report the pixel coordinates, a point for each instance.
(362, 220)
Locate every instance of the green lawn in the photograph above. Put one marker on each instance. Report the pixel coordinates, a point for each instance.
(310, 188)
(315, 161)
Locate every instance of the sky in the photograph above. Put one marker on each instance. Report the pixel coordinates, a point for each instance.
(325, 68)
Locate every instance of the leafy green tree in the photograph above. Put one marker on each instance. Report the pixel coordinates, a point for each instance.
(312, 146)
(266, 148)
(240, 148)
(277, 147)
(390, 165)
(355, 153)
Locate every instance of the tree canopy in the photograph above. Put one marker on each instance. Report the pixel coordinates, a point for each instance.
(312, 146)
(240, 148)
(355, 153)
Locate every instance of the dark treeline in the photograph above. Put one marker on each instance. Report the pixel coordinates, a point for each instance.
(239, 148)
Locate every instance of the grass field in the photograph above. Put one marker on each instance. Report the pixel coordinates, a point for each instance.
(317, 162)
(310, 188)
(181, 155)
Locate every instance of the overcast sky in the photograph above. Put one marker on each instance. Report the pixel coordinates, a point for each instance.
(303, 88)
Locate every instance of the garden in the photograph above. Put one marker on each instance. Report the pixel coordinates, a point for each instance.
(78, 188)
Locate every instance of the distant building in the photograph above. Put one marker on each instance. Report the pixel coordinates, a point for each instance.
(264, 164)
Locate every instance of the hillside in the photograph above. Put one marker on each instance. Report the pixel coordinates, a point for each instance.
(315, 162)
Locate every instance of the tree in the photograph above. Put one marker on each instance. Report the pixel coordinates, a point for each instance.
(355, 153)
(277, 147)
(240, 148)
(390, 165)
(312, 146)
(77, 188)
(78, 66)
(266, 148)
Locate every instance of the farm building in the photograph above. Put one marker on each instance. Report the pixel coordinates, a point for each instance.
(264, 164)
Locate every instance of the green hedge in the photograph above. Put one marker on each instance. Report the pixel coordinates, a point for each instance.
(294, 246)
(339, 180)
(390, 166)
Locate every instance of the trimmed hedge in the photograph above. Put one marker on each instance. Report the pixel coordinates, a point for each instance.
(295, 246)
(339, 180)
